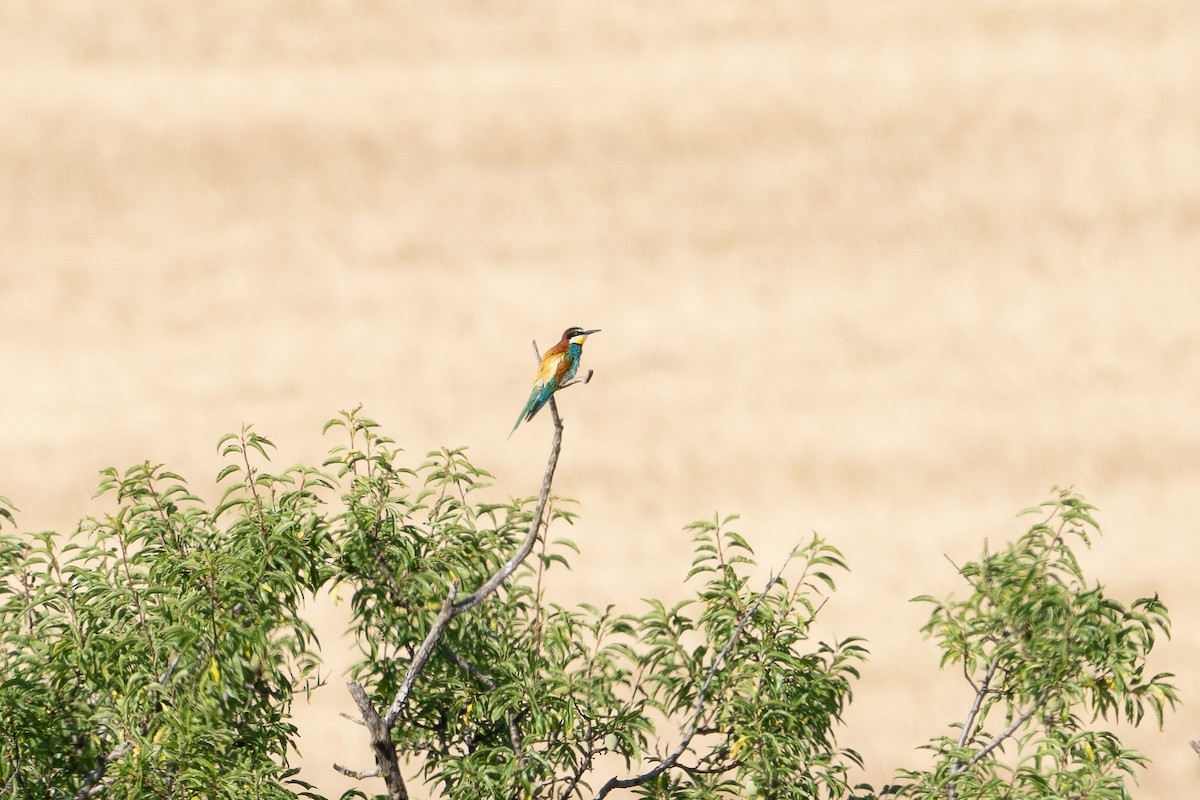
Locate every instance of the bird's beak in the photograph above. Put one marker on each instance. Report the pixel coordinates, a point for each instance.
(589, 333)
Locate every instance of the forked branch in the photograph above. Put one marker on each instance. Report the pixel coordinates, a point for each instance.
(996, 741)
(672, 759)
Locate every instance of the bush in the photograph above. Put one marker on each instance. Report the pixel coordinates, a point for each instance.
(157, 651)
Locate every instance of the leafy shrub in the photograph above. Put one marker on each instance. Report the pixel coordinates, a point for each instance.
(156, 652)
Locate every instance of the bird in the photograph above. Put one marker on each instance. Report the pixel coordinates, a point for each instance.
(558, 367)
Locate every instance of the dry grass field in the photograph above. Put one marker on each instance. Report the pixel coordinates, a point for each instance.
(887, 271)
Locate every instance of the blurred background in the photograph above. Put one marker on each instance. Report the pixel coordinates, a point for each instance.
(886, 271)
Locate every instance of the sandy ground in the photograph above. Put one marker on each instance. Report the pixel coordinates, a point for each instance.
(888, 271)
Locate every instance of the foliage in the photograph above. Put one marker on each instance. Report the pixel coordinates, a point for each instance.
(774, 697)
(157, 651)
(527, 694)
(1046, 656)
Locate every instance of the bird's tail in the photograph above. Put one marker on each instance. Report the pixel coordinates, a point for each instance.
(524, 415)
(530, 411)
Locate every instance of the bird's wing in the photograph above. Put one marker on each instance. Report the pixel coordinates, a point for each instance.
(549, 375)
(537, 397)
(550, 372)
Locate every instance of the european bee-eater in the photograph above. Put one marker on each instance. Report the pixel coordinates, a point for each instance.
(559, 365)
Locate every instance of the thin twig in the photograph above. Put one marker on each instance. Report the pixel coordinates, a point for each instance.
(585, 762)
(717, 770)
(357, 774)
(487, 682)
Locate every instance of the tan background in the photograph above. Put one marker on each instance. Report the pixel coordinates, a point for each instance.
(888, 271)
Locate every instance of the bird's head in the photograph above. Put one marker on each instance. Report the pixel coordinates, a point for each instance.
(577, 335)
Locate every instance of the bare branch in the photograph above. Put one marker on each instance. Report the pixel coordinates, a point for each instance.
(535, 524)
(671, 760)
(452, 608)
(444, 616)
(357, 774)
(1010, 730)
(717, 770)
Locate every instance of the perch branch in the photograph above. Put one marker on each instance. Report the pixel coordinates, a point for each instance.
(381, 727)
